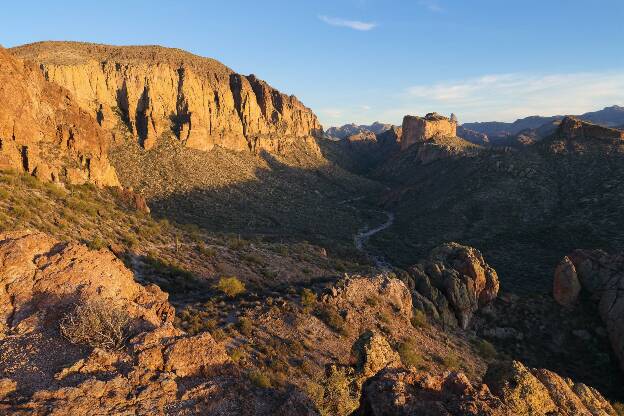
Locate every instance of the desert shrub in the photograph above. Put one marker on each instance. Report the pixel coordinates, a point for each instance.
(372, 300)
(204, 250)
(96, 323)
(260, 379)
(308, 299)
(238, 354)
(409, 356)
(253, 259)
(450, 361)
(335, 394)
(30, 181)
(230, 286)
(236, 243)
(485, 349)
(419, 319)
(619, 408)
(4, 194)
(244, 326)
(55, 190)
(97, 243)
(333, 319)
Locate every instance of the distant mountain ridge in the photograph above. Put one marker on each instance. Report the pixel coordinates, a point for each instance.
(609, 116)
(347, 130)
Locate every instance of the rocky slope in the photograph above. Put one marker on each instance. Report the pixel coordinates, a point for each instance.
(45, 133)
(347, 130)
(151, 90)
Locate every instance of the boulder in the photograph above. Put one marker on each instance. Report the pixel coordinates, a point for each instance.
(453, 283)
(371, 353)
(601, 276)
(566, 286)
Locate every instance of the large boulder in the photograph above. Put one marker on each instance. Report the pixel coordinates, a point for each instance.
(602, 277)
(566, 285)
(453, 283)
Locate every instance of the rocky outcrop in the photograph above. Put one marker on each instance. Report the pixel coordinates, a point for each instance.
(41, 277)
(354, 293)
(153, 90)
(403, 392)
(529, 391)
(509, 389)
(573, 128)
(473, 136)
(160, 370)
(45, 133)
(452, 284)
(602, 277)
(421, 129)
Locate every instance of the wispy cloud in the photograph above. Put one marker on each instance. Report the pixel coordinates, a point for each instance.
(351, 24)
(509, 96)
(431, 5)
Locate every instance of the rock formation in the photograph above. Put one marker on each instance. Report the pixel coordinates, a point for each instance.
(161, 370)
(602, 276)
(452, 284)
(153, 90)
(44, 132)
(509, 389)
(573, 128)
(421, 129)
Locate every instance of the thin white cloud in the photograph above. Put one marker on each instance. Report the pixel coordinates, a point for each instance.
(506, 97)
(351, 24)
(431, 5)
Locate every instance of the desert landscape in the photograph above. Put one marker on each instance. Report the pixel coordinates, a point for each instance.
(177, 238)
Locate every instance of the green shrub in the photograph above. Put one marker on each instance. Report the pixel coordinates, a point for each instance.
(244, 326)
(230, 286)
(409, 356)
(485, 349)
(260, 379)
(308, 299)
(333, 319)
(451, 361)
(238, 354)
(419, 319)
(97, 243)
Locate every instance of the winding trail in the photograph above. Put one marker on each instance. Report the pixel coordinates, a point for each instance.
(364, 235)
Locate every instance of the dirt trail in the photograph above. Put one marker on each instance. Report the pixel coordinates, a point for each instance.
(364, 235)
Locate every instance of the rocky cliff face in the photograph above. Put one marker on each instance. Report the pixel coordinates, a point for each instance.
(420, 129)
(151, 90)
(45, 133)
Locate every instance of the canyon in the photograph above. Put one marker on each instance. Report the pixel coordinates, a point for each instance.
(177, 238)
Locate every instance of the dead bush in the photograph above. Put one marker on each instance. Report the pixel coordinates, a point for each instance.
(96, 323)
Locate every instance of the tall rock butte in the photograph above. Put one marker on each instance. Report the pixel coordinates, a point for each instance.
(44, 132)
(151, 90)
(421, 129)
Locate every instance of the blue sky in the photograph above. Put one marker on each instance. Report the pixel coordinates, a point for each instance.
(366, 60)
